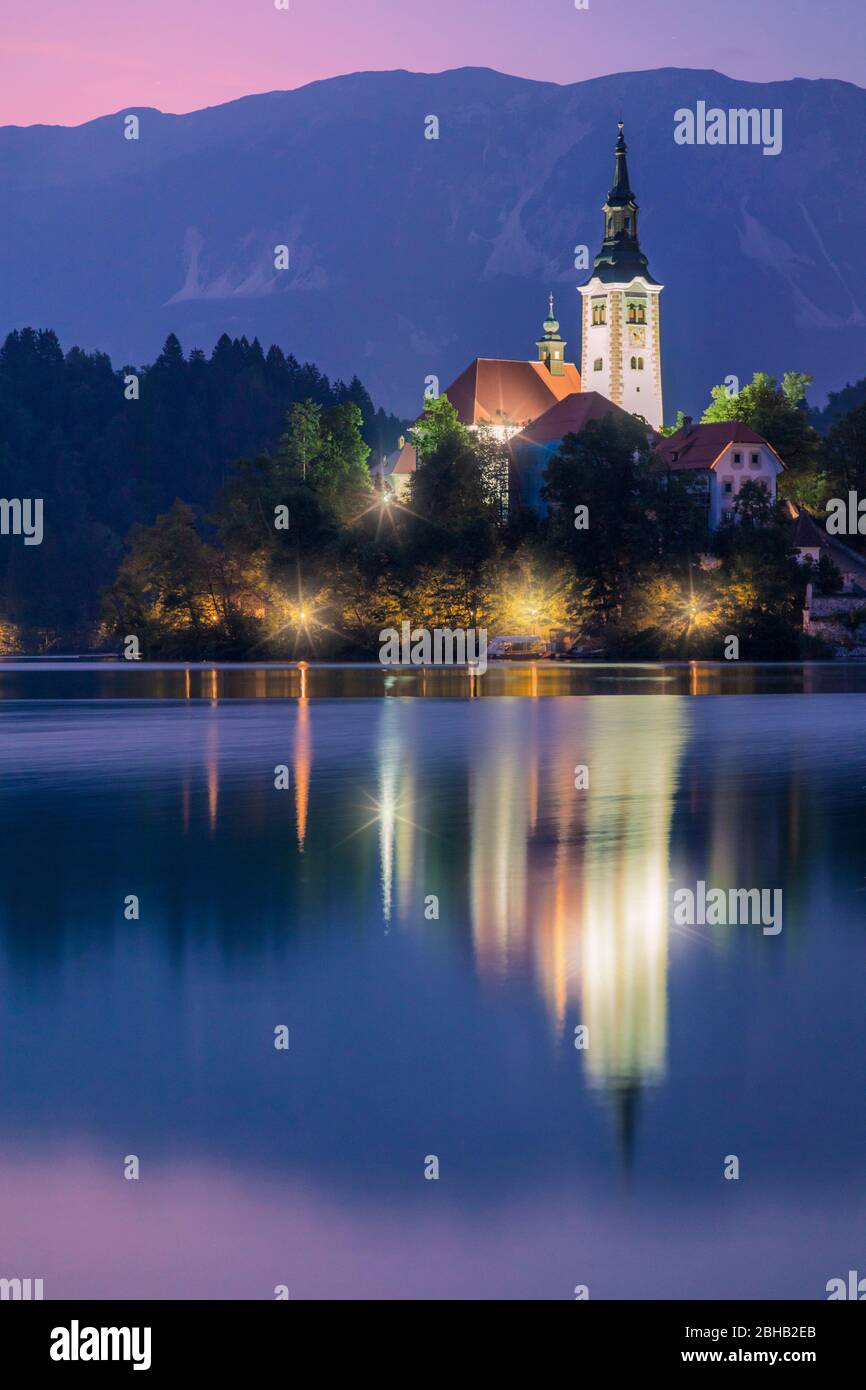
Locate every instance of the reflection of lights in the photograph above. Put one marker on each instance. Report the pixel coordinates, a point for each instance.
(303, 762)
(386, 811)
(213, 773)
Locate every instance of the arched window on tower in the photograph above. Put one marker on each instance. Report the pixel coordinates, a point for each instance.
(641, 313)
(632, 314)
(634, 364)
(640, 364)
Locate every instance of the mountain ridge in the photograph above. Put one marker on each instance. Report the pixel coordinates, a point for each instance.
(411, 257)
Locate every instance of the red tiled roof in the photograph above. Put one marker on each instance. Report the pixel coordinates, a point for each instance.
(404, 459)
(495, 391)
(702, 445)
(569, 416)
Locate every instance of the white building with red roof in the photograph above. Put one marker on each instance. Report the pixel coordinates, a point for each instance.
(722, 455)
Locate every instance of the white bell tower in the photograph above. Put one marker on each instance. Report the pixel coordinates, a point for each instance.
(620, 340)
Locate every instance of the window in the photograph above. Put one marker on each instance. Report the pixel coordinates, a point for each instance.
(598, 313)
(597, 365)
(738, 458)
(634, 364)
(640, 364)
(641, 314)
(755, 461)
(728, 485)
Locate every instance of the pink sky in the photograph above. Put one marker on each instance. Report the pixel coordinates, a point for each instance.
(67, 61)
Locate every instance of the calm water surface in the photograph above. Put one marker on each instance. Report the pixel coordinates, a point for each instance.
(412, 1037)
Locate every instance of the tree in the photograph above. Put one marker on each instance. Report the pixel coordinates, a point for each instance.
(339, 473)
(439, 427)
(753, 506)
(535, 594)
(175, 593)
(105, 459)
(776, 412)
(839, 404)
(300, 445)
(603, 477)
(845, 452)
(667, 430)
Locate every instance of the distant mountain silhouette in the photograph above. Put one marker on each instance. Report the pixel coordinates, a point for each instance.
(410, 257)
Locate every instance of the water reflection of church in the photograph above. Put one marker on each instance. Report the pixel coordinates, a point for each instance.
(567, 886)
(580, 882)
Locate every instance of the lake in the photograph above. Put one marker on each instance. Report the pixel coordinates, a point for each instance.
(401, 871)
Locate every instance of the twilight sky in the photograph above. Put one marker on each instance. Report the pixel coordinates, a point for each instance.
(64, 62)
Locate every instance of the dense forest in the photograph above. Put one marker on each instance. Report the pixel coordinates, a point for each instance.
(224, 507)
(110, 448)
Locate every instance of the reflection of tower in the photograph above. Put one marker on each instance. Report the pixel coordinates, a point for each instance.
(397, 831)
(624, 901)
(303, 762)
(586, 899)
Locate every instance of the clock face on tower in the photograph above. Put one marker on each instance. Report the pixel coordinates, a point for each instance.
(637, 337)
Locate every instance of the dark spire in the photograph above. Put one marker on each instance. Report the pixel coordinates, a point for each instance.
(620, 257)
(621, 189)
(626, 1097)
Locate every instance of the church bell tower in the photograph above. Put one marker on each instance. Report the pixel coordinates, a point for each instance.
(621, 356)
(551, 348)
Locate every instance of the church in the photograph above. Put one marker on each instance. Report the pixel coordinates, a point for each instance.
(533, 405)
